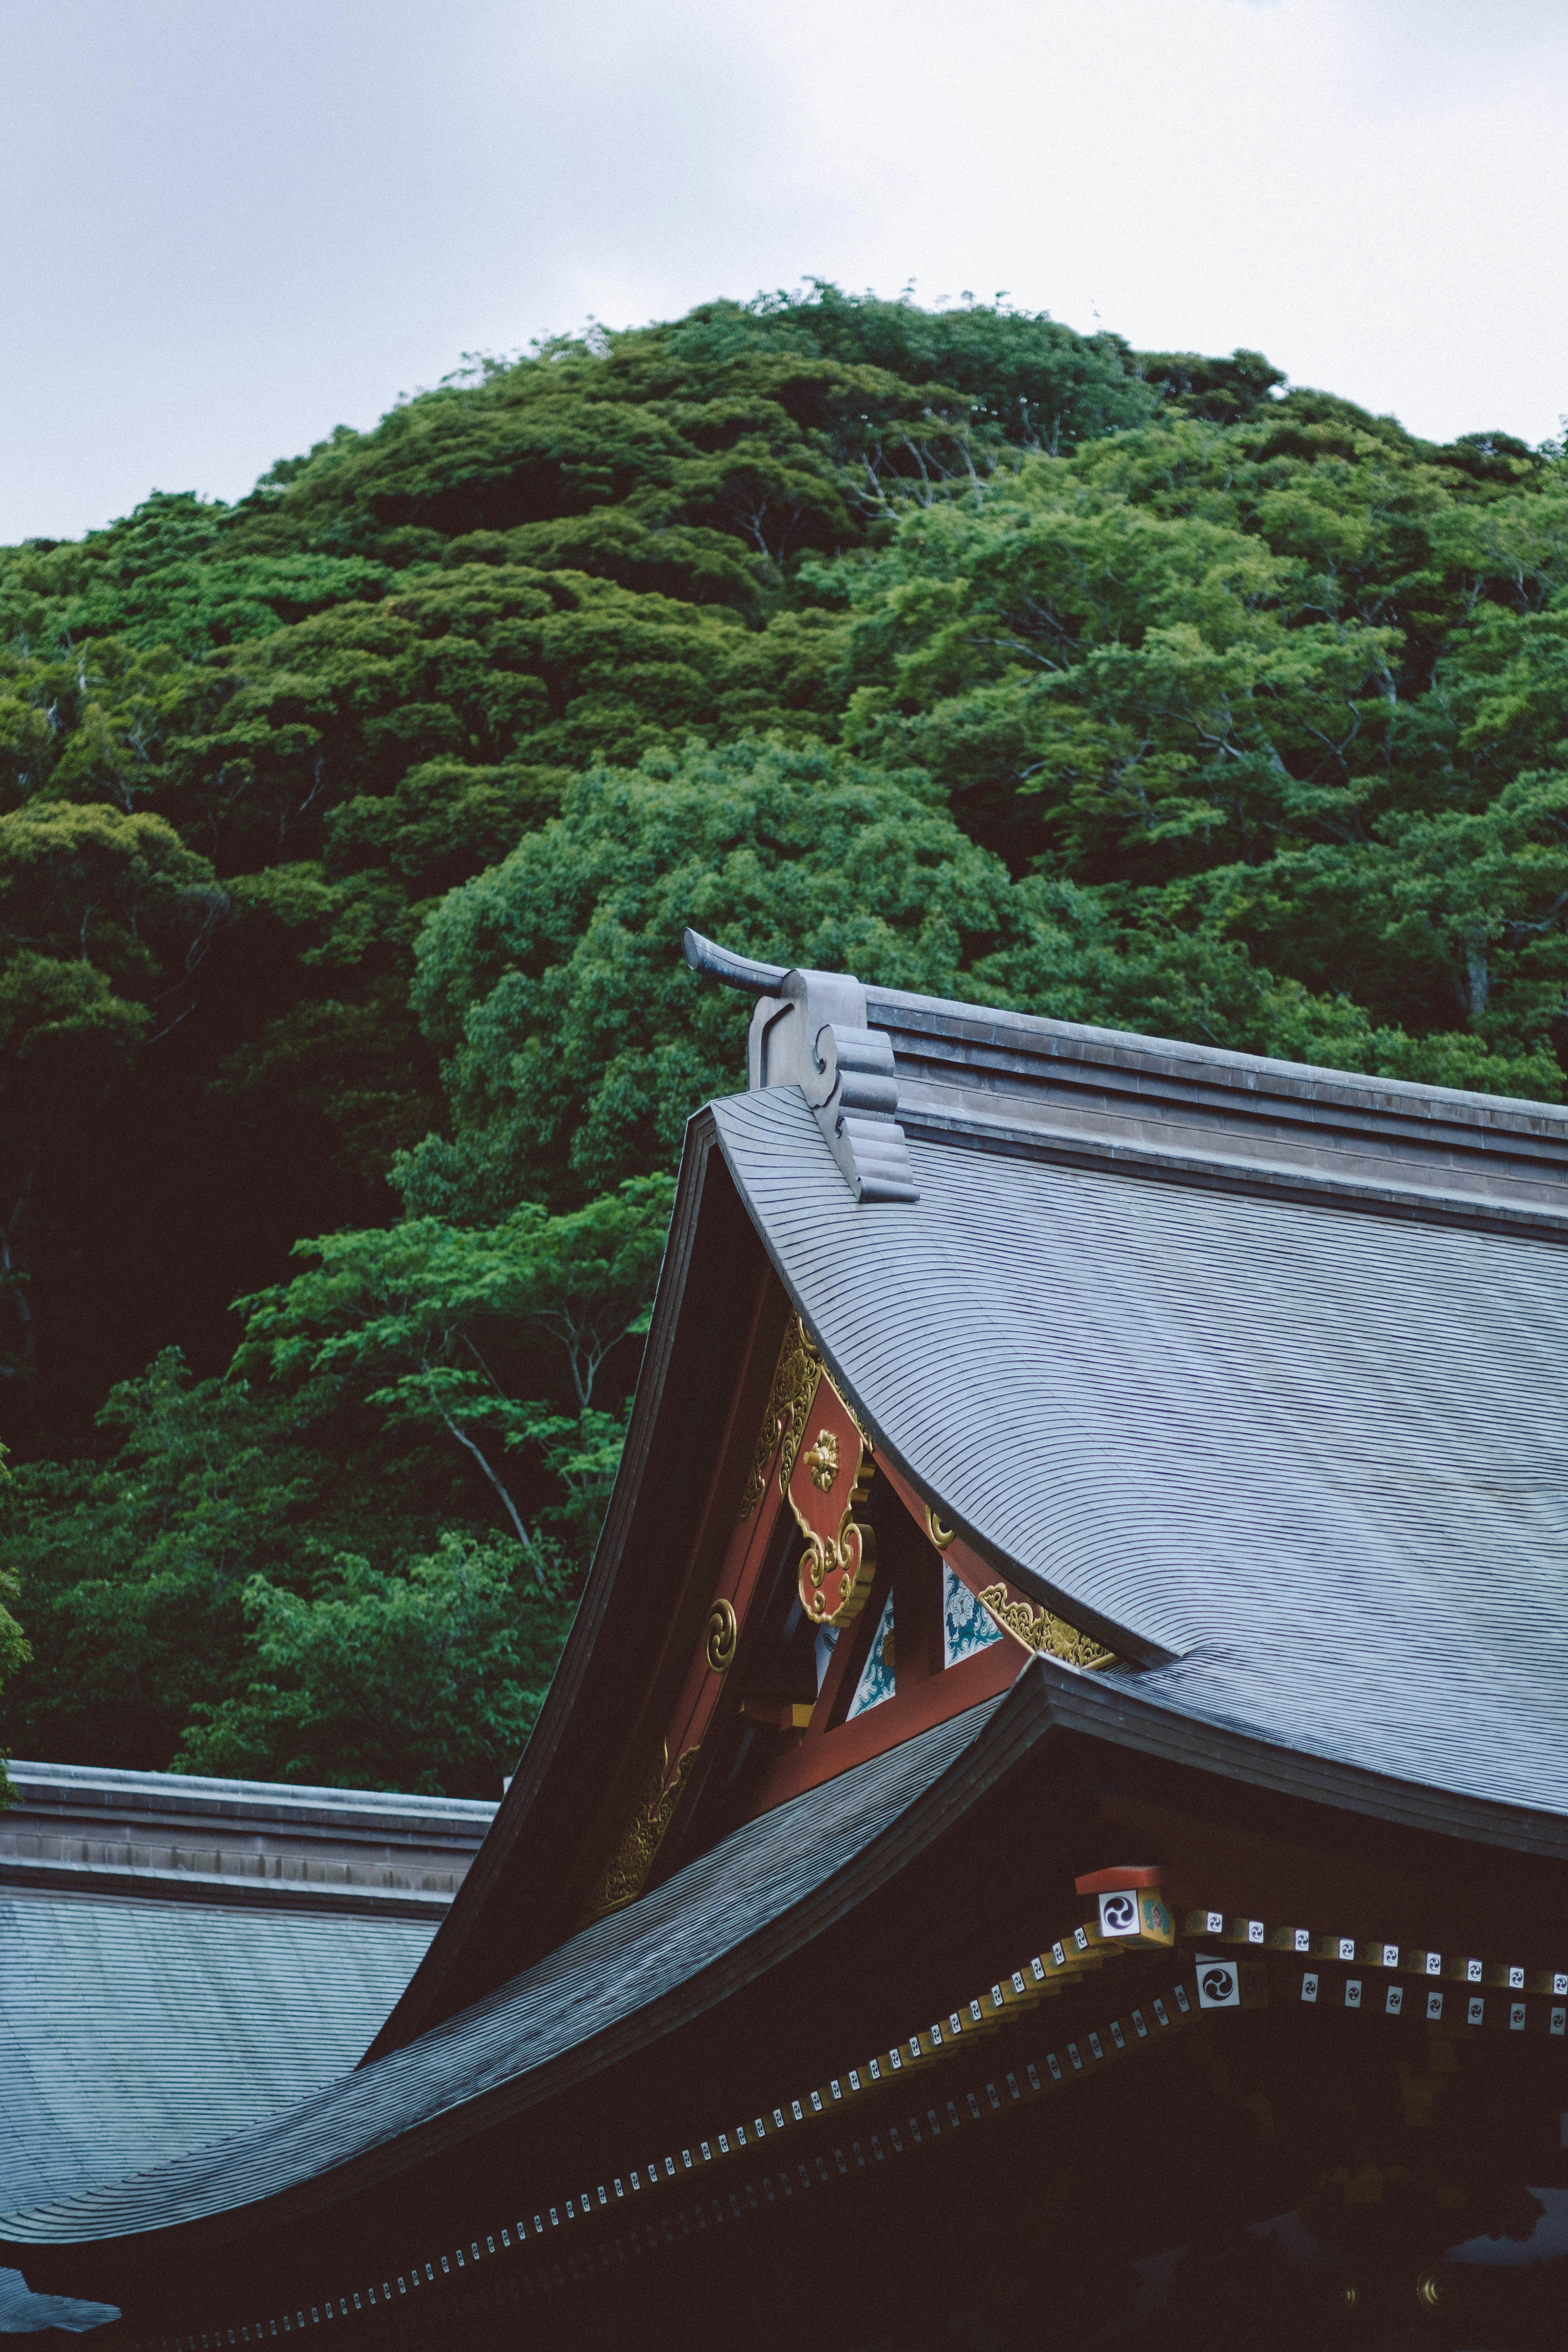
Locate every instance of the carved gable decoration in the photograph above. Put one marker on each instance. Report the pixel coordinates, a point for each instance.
(795, 1377)
(1038, 1630)
(621, 1880)
(831, 1474)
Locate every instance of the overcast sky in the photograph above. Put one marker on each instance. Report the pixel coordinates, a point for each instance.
(229, 224)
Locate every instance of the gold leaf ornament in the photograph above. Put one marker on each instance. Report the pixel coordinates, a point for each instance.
(621, 1881)
(796, 1375)
(1039, 1631)
(836, 1572)
(823, 1460)
(839, 1562)
(723, 1635)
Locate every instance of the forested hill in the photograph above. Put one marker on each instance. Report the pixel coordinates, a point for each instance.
(346, 838)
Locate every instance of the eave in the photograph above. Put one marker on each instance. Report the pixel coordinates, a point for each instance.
(1064, 1747)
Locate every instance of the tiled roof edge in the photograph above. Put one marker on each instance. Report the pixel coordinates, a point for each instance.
(1221, 1172)
(1174, 1059)
(112, 1790)
(217, 1890)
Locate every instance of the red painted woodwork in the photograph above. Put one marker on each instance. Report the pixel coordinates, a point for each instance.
(935, 1700)
(778, 1713)
(927, 1693)
(963, 1561)
(1105, 1881)
(839, 1559)
(744, 1556)
(843, 1674)
(683, 1655)
(962, 1557)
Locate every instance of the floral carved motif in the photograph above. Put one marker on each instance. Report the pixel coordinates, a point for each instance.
(823, 1460)
(621, 1881)
(796, 1375)
(1038, 1630)
(830, 1487)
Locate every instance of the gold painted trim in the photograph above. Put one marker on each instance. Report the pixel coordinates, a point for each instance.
(723, 1635)
(796, 1375)
(1039, 1631)
(854, 1547)
(622, 1877)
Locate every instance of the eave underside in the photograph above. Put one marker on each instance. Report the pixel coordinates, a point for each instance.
(947, 1894)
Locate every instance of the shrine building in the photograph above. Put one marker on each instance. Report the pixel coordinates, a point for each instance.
(1051, 1825)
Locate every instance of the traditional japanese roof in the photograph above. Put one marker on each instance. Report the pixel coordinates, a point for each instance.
(1253, 1369)
(1246, 1366)
(1308, 1461)
(1245, 1369)
(180, 1956)
(132, 2031)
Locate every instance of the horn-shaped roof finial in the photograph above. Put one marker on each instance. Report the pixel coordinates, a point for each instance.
(810, 1030)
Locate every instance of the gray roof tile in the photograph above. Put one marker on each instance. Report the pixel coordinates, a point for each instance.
(612, 1969)
(1312, 1461)
(132, 2031)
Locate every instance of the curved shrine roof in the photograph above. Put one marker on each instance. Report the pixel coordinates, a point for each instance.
(1248, 1368)
(1309, 1460)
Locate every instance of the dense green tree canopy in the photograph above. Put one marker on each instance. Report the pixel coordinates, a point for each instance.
(346, 838)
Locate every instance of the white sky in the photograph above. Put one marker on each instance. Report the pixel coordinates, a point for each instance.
(229, 224)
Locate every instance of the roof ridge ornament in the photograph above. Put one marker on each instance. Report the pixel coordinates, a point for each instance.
(810, 1030)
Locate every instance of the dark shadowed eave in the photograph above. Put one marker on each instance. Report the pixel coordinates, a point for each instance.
(629, 1979)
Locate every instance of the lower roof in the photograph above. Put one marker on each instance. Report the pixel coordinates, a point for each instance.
(622, 1965)
(98, 1832)
(131, 2032)
(24, 2314)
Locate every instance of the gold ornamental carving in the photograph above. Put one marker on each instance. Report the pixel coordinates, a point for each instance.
(723, 1634)
(1039, 1631)
(837, 1574)
(830, 1483)
(796, 1376)
(621, 1881)
(823, 1485)
(823, 1460)
(942, 1536)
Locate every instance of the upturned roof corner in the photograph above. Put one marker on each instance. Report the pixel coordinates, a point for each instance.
(810, 1030)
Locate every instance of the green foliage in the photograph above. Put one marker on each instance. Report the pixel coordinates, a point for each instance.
(131, 1569)
(357, 687)
(1285, 685)
(425, 1419)
(576, 1041)
(1224, 392)
(195, 1601)
(105, 917)
(427, 1677)
(425, 1325)
(346, 838)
